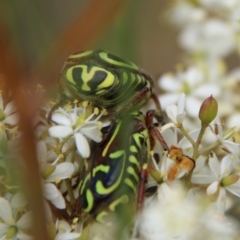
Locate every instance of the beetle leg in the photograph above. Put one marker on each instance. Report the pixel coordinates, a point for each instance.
(156, 101)
(135, 100)
(153, 132)
(141, 189)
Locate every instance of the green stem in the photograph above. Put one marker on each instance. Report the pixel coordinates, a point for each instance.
(185, 133)
(197, 143)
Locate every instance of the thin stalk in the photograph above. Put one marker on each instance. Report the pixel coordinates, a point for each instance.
(197, 143)
(185, 133)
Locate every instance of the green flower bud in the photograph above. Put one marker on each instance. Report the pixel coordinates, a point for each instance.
(48, 171)
(208, 110)
(11, 232)
(229, 180)
(156, 175)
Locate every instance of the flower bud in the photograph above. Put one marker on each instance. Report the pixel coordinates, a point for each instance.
(208, 110)
(11, 232)
(48, 171)
(229, 180)
(156, 175)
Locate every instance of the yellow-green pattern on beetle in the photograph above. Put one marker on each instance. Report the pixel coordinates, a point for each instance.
(105, 80)
(111, 176)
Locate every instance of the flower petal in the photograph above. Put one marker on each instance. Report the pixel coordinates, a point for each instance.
(192, 106)
(92, 131)
(3, 229)
(51, 193)
(18, 200)
(61, 119)
(207, 90)
(168, 99)
(169, 83)
(202, 178)
(60, 131)
(181, 117)
(10, 109)
(212, 188)
(62, 171)
(67, 236)
(171, 112)
(12, 119)
(25, 221)
(181, 104)
(63, 226)
(199, 164)
(221, 200)
(214, 165)
(23, 236)
(5, 210)
(226, 166)
(231, 146)
(234, 188)
(82, 145)
(170, 136)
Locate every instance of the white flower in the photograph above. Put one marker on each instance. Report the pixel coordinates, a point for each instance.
(53, 173)
(10, 226)
(65, 232)
(8, 114)
(213, 37)
(221, 170)
(52, 194)
(184, 13)
(177, 113)
(50, 191)
(18, 201)
(231, 146)
(163, 214)
(218, 226)
(193, 83)
(74, 125)
(58, 171)
(202, 173)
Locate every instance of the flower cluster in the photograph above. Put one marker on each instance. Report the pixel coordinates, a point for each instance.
(198, 202)
(194, 182)
(209, 28)
(209, 32)
(62, 143)
(197, 183)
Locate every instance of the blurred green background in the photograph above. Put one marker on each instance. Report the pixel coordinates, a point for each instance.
(137, 30)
